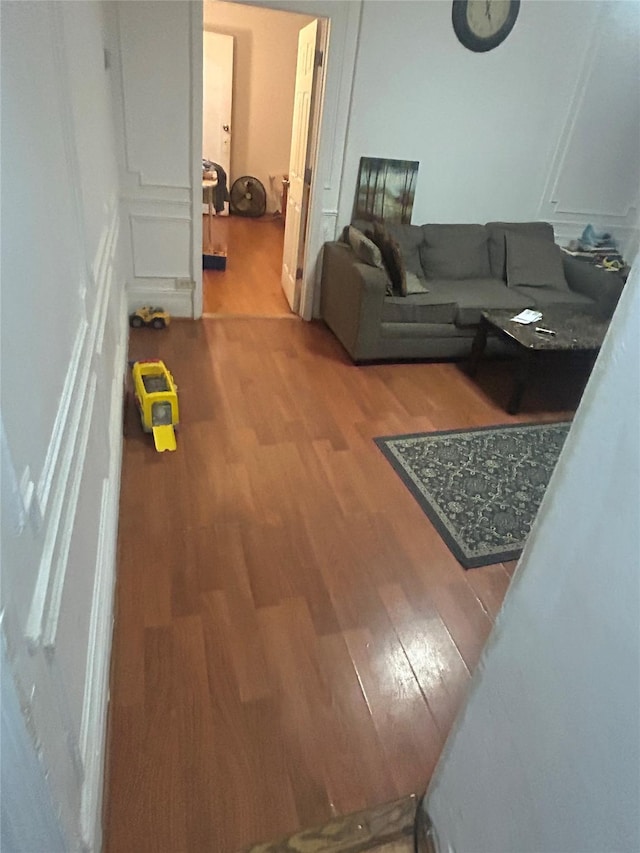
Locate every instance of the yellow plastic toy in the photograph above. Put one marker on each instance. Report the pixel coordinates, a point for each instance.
(157, 318)
(157, 399)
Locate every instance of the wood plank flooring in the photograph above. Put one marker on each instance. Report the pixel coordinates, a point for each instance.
(251, 282)
(293, 639)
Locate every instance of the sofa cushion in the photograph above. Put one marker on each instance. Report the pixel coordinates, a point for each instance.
(534, 261)
(409, 238)
(365, 249)
(421, 308)
(391, 257)
(474, 296)
(497, 245)
(455, 252)
(541, 297)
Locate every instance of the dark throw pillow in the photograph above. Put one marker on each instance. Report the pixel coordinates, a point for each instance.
(534, 261)
(391, 257)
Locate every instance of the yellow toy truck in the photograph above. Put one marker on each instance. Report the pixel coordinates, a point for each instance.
(157, 318)
(157, 400)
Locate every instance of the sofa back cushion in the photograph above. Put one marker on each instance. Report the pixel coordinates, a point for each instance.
(497, 241)
(534, 261)
(455, 252)
(409, 239)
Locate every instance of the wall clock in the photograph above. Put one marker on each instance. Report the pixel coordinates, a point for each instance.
(483, 24)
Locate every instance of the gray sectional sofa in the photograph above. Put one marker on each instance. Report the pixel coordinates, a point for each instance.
(409, 291)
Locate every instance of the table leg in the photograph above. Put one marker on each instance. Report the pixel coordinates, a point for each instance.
(521, 379)
(478, 347)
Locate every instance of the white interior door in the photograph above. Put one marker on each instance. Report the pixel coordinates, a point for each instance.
(298, 189)
(217, 86)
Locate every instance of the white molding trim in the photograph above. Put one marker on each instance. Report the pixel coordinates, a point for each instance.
(94, 686)
(338, 122)
(142, 200)
(37, 612)
(149, 183)
(562, 145)
(96, 689)
(56, 13)
(65, 532)
(30, 812)
(138, 174)
(196, 72)
(60, 426)
(178, 302)
(102, 278)
(626, 215)
(105, 253)
(139, 271)
(341, 58)
(70, 421)
(329, 221)
(551, 207)
(344, 26)
(158, 217)
(102, 310)
(144, 184)
(96, 692)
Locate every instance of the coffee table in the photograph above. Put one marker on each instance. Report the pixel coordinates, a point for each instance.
(575, 331)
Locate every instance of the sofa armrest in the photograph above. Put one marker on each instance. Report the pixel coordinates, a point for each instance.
(351, 299)
(601, 286)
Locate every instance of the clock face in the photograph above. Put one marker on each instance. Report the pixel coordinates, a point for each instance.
(482, 25)
(487, 17)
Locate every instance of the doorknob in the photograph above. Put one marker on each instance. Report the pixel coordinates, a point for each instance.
(225, 127)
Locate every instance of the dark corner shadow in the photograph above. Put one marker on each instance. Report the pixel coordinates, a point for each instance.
(556, 385)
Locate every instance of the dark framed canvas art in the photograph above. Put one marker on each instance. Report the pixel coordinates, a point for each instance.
(385, 190)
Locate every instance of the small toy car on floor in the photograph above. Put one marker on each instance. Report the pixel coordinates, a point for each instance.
(157, 400)
(157, 318)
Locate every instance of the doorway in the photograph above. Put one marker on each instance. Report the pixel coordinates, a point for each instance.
(258, 135)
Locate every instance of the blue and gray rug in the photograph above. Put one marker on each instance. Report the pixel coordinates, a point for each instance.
(481, 488)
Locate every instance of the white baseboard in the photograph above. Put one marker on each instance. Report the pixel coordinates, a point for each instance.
(178, 301)
(96, 692)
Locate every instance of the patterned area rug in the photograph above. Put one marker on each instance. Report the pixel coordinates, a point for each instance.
(481, 488)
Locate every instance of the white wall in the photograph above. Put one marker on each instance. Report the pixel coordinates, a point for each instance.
(156, 56)
(63, 358)
(547, 125)
(497, 134)
(546, 753)
(266, 48)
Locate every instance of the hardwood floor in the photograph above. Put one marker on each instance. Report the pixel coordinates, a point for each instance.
(293, 639)
(251, 282)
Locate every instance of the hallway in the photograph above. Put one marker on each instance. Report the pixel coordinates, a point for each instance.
(250, 285)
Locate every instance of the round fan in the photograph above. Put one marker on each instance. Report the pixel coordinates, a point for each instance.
(248, 197)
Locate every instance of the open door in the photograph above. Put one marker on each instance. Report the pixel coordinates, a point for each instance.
(217, 88)
(299, 178)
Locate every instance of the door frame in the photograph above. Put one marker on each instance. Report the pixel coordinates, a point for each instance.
(326, 184)
(220, 157)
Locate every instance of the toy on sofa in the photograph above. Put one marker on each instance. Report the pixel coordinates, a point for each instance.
(157, 400)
